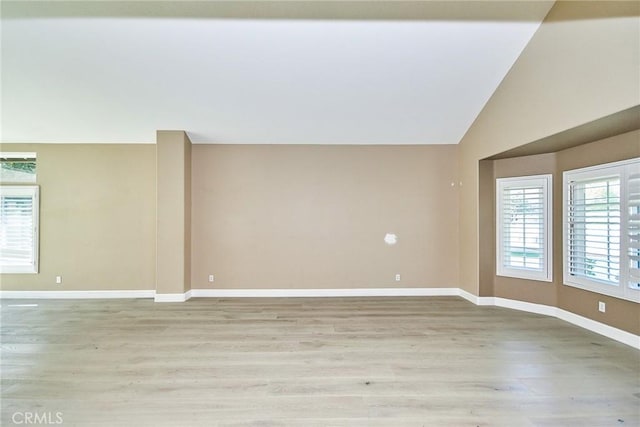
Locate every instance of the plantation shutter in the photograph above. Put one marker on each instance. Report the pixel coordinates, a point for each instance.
(594, 229)
(523, 227)
(18, 229)
(633, 229)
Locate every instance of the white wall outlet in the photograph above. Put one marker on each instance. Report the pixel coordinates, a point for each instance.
(397, 277)
(58, 279)
(211, 278)
(602, 307)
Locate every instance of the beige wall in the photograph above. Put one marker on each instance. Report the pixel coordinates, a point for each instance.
(263, 216)
(519, 289)
(581, 65)
(97, 217)
(621, 314)
(173, 212)
(186, 274)
(315, 216)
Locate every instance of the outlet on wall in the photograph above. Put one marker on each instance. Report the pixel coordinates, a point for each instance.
(211, 278)
(58, 279)
(602, 307)
(398, 277)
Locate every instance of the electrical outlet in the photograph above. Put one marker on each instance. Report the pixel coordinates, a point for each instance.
(602, 307)
(397, 277)
(211, 278)
(58, 279)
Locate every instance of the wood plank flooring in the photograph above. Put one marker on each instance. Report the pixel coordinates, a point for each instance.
(434, 361)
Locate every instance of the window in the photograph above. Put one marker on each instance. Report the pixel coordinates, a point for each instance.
(18, 229)
(18, 167)
(602, 229)
(524, 227)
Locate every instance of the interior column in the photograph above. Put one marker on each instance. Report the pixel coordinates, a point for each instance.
(173, 216)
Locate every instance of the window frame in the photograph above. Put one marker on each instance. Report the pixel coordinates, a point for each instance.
(546, 182)
(621, 170)
(34, 192)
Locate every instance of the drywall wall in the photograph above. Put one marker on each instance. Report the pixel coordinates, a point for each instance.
(316, 216)
(581, 65)
(486, 228)
(620, 313)
(534, 291)
(97, 217)
(173, 189)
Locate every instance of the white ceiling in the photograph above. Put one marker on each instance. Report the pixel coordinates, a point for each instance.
(260, 81)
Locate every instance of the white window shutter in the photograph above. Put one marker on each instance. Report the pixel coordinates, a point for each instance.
(633, 229)
(594, 229)
(18, 229)
(602, 229)
(524, 227)
(523, 222)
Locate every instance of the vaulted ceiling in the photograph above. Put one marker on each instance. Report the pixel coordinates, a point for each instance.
(256, 72)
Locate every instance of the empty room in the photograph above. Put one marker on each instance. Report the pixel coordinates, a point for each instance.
(320, 213)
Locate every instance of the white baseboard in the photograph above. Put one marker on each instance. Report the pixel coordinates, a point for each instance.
(475, 299)
(77, 294)
(546, 310)
(172, 297)
(599, 328)
(313, 293)
(468, 296)
(486, 301)
(584, 322)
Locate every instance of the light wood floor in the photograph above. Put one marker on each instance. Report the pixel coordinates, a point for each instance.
(435, 361)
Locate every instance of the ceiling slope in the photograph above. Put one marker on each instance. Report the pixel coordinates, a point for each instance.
(256, 72)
